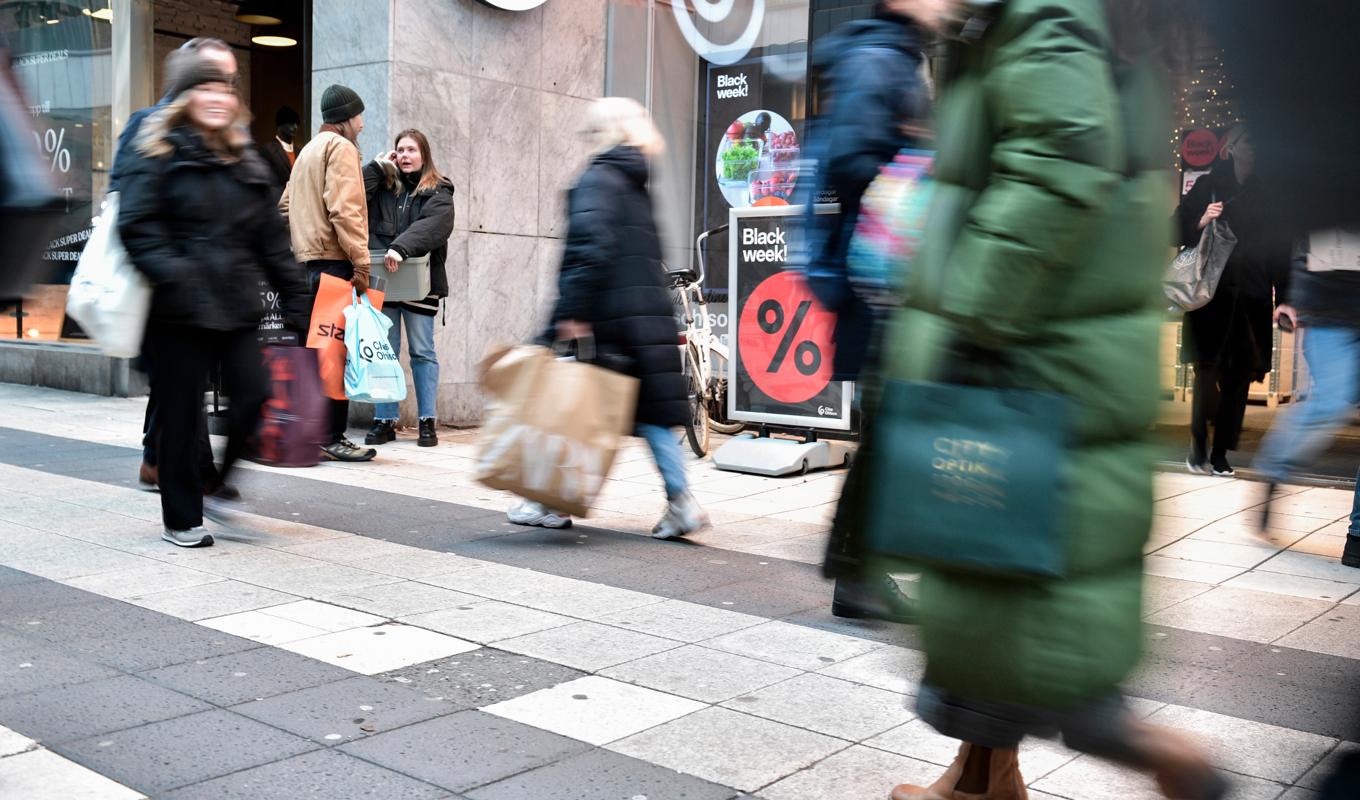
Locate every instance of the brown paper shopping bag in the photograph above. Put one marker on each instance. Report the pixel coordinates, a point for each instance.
(552, 426)
(327, 331)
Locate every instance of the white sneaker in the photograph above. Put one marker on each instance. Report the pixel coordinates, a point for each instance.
(537, 515)
(683, 517)
(194, 537)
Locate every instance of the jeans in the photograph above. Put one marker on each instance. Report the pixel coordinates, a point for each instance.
(183, 358)
(1305, 431)
(669, 460)
(424, 362)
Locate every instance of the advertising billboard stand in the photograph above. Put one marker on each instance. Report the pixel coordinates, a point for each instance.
(779, 374)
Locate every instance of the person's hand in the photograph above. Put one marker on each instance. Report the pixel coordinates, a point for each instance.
(360, 282)
(1213, 212)
(392, 261)
(570, 330)
(1286, 317)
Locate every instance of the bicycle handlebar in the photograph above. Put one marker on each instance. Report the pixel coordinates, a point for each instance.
(699, 249)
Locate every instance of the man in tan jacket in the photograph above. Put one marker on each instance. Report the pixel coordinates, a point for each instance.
(327, 212)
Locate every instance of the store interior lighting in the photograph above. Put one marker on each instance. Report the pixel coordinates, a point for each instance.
(105, 13)
(268, 40)
(253, 12)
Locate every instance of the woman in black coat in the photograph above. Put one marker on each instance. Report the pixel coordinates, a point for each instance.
(197, 218)
(612, 288)
(1230, 340)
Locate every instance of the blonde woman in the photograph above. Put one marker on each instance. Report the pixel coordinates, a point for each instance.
(612, 288)
(198, 219)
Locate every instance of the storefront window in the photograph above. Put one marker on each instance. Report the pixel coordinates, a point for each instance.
(63, 60)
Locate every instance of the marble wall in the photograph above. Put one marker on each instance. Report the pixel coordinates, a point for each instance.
(502, 96)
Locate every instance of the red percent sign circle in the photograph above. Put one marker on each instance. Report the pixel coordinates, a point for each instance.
(784, 339)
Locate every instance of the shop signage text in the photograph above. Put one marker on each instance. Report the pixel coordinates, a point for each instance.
(732, 86)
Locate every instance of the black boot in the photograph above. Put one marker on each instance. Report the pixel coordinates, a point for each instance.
(872, 598)
(428, 438)
(382, 432)
(1351, 555)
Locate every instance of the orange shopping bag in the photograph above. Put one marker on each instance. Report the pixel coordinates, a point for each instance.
(327, 331)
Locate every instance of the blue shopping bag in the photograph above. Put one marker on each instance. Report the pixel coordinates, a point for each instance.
(373, 374)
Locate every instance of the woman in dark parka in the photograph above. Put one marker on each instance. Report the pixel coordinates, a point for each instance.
(612, 288)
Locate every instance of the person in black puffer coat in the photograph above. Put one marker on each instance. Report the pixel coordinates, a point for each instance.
(197, 218)
(410, 214)
(612, 287)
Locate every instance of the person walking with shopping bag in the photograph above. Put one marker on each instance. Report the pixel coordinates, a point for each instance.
(410, 214)
(327, 212)
(1009, 461)
(198, 219)
(612, 290)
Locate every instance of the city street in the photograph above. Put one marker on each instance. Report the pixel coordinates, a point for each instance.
(379, 630)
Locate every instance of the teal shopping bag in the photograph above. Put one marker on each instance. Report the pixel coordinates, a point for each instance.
(373, 373)
(969, 479)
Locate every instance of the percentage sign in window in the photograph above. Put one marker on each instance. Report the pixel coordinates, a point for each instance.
(53, 144)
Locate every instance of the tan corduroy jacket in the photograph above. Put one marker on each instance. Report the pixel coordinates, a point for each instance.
(325, 203)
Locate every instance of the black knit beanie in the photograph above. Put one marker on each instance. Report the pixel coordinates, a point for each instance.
(185, 69)
(339, 104)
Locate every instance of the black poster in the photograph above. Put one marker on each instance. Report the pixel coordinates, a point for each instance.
(782, 338)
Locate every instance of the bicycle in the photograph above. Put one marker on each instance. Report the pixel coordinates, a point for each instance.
(704, 356)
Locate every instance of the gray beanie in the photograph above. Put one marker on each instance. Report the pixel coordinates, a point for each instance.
(185, 69)
(339, 104)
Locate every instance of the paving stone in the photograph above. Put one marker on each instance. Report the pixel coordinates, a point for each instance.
(487, 621)
(1292, 585)
(686, 622)
(324, 774)
(601, 775)
(67, 713)
(29, 665)
(250, 675)
(139, 649)
(12, 743)
(1089, 778)
(44, 774)
(792, 645)
(335, 713)
(1241, 614)
(1250, 748)
(258, 626)
(918, 740)
(1336, 632)
(1312, 566)
(327, 617)
(474, 749)
(896, 669)
(166, 755)
(1198, 571)
(853, 774)
(381, 648)
(588, 646)
(133, 581)
(13, 577)
(1160, 593)
(1319, 774)
(764, 598)
(826, 705)
(395, 600)
(730, 748)
(481, 677)
(211, 600)
(699, 673)
(595, 709)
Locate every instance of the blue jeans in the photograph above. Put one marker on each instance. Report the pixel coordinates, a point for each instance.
(424, 362)
(669, 460)
(1305, 431)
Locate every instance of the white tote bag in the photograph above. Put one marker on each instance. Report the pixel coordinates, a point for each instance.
(109, 298)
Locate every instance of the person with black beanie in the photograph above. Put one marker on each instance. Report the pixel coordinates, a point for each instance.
(279, 151)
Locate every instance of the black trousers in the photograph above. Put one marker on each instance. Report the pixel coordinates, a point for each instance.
(151, 433)
(1221, 399)
(184, 357)
(339, 416)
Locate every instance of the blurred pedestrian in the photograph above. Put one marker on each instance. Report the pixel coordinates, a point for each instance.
(218, 52)
(1229, 341)
(874, 104)
(327, 212)
(612, 291)
(410, 214)
(1325, 291)
(279, 151)
(1042, 261)
(196, 217)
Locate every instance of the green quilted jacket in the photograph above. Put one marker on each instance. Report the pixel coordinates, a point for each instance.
(1046, 244)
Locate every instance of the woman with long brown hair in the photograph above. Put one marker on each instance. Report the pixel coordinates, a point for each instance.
(198, 219)
(410, 214)
(1040, 274)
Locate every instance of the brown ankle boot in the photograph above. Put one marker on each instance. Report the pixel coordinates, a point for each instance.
(1003, 780)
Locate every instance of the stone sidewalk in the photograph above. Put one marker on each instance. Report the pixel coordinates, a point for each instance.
(603, 662)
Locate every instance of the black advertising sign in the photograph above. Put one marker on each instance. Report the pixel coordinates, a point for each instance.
(271, 327)
(782, 338)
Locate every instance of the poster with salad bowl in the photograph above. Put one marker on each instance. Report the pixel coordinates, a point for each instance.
(757, 160)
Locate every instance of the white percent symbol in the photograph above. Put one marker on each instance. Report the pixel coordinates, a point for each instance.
(717, 11)
(53, 144)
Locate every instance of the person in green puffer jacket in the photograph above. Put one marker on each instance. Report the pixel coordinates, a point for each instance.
(1045, 248)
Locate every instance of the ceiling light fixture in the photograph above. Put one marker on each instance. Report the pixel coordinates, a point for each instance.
(254, 12)
(274, 41)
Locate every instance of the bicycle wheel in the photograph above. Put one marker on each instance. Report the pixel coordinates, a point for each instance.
(717, 400)
(696, 428)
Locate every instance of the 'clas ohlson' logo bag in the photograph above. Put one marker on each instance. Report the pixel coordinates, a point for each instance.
(373, 373)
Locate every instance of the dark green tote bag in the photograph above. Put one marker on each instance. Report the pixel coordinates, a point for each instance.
(969, 479)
